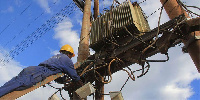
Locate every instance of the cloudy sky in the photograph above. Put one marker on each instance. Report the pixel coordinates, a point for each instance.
(176, 79)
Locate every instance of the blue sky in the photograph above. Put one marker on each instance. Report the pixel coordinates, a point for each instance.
(176, 79)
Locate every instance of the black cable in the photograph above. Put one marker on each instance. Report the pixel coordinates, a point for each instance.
(142, 1)
(15, 19)
(185, 7)
(65, 12)
(124, 83)
(144, 73)
(61, 94)
(28, 25)
(58, 89)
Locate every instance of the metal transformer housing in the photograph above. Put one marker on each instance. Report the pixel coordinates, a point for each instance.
(114, 22)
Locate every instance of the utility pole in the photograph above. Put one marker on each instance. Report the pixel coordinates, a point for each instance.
(83, 49)
(99, 85)
(173, 10)
(96, 8)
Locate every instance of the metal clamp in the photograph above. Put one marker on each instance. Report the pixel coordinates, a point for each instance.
(191, 40)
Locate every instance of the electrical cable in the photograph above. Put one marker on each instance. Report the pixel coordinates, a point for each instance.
(28, 25)
(133, 78)
(109, 72)
(142, 1)
(187, 10)
(15, 19)
(143, 73)
(124, 83)
(157, 31)
(86, 69)
(58, 89)
(39, 32)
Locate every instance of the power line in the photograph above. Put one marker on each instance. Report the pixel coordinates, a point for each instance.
(39, 32)
(28, 25)
(15, 19)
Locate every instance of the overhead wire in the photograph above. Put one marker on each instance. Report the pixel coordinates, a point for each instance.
(157, 30)
(28, 25)
(57, 18)
(124, 83)
(58, 89)
(109, 72)
(15, 18)
(187, 10)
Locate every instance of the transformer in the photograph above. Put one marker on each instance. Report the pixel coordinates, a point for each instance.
(116, 22)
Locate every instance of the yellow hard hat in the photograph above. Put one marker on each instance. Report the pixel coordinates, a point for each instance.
(67, 47)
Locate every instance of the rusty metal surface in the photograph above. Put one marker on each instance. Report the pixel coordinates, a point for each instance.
(114, 23)
(193, 21)
(173, 10)
(131, 52)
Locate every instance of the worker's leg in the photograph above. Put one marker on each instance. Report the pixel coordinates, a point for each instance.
(33, 75)
(9, 86)
(26, 78)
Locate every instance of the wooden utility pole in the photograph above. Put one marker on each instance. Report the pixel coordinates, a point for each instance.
(173, 10)
(99, 85)
(83, 49)
(96, 8)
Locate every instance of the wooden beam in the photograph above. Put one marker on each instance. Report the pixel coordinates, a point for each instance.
(16, 94)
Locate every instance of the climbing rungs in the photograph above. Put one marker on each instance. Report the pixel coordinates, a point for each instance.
(16, 94)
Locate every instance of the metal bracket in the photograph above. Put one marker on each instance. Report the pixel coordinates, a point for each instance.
(192, 39)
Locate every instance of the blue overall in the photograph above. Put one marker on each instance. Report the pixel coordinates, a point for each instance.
(34, 74)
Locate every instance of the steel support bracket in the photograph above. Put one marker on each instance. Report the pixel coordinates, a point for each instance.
(191, 40)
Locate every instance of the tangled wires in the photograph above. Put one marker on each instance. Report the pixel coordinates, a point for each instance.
(186, 8)
(58, 90)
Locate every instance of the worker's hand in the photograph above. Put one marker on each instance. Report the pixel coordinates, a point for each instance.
(78, 84)
(62, 80)
(73, 86)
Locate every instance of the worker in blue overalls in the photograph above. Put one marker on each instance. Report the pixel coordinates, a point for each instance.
(31, 75)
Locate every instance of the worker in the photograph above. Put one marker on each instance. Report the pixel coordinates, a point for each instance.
(60, 63)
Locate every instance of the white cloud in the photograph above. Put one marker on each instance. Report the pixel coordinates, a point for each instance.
(65, 34)
(54, 52)
(8, 70)
(9, 9)
(45, 5)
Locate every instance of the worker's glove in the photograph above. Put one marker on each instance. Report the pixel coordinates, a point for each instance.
(73, 86)
(62, 80)
(77, 84)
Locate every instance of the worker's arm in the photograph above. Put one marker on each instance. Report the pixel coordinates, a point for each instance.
(68, 68)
